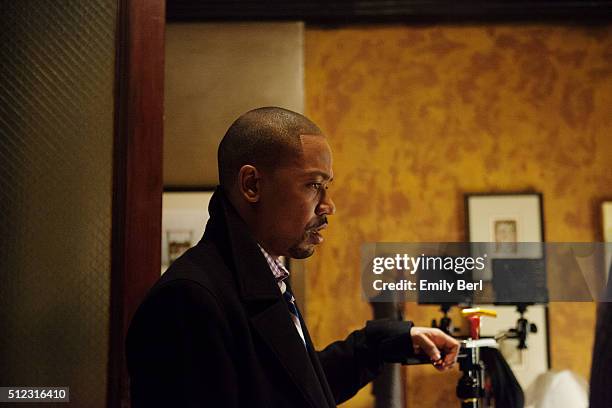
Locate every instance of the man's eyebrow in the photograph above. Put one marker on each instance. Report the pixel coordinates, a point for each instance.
(322, 174)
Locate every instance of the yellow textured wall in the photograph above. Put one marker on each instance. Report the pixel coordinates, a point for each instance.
(417, 116)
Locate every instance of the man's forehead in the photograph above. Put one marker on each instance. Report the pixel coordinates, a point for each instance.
(314, 143)
(313, 158)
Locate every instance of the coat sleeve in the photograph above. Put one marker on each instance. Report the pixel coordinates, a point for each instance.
(178, 350)
(352, 363)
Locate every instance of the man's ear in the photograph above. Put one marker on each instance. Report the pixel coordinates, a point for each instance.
(248, 183)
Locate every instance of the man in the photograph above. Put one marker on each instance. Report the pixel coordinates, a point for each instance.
(221, 328)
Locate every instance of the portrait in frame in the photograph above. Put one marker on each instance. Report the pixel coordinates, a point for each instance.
(506, 220)
(184, 217)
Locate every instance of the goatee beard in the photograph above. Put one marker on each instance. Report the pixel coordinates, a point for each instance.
(297, 252)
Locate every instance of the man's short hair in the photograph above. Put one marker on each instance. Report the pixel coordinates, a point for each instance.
(265, 138)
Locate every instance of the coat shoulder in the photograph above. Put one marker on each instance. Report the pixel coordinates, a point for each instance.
(199, 282)
(201, 265)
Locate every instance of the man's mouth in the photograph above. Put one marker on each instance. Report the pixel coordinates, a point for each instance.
(314, 234)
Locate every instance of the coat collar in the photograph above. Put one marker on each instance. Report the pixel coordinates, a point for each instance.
(239, 250)
(263, 302)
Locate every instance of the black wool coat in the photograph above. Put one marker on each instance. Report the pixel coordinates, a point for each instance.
(215, 331)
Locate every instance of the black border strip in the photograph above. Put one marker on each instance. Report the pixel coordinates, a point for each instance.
(372, 11)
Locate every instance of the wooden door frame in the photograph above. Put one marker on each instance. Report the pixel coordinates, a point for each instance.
(138, 177)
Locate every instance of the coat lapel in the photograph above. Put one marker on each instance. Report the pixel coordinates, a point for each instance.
(276, 328)
(268, 312)
(316, 364)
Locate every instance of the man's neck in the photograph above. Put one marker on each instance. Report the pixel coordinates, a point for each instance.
(249, 217)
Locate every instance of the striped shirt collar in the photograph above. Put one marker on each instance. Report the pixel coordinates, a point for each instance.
(276, 266)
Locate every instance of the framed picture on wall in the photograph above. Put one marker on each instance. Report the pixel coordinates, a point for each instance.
(504, 223)
(500, 224)
(184, 217)
(606, 216)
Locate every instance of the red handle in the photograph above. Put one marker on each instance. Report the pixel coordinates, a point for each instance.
(474, 326)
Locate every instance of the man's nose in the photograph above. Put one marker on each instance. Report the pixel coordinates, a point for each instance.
(326, 206)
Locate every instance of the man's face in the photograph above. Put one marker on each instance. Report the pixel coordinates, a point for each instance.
(295, 202)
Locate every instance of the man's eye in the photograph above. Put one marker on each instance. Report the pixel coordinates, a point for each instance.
(316, 186)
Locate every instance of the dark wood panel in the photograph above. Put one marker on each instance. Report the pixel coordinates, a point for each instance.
(358, 11)
(137, 190)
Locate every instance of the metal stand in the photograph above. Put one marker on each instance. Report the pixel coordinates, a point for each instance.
(446, 324)
(522, 329)
(470, 387)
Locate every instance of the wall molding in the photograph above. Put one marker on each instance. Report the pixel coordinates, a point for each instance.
(137, 187)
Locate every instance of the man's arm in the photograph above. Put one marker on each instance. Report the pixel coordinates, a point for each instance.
(177, 350)
(352, 363)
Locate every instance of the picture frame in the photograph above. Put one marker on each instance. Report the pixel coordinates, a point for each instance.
(184, 218)
(506, 221)
(511, 219)
(606, 225)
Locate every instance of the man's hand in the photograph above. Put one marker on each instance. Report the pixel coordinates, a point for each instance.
(432, 342)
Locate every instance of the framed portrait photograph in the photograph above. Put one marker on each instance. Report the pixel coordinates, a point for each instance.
(184, 217)
(505, 226)
(504, 223)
